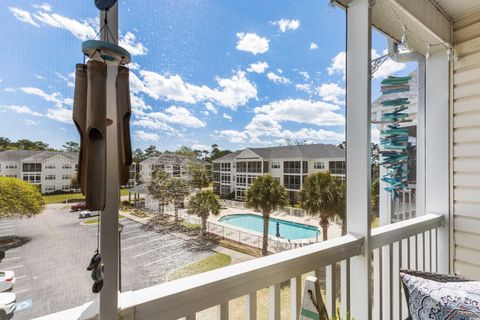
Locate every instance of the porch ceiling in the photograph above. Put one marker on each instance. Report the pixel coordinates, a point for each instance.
(458, 9)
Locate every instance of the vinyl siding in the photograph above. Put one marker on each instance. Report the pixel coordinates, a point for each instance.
(466, 148)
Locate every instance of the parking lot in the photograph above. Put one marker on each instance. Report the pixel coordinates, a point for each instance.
(50, 269)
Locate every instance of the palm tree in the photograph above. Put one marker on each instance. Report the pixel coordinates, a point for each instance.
(324, 195)
(158, 187)
(176, 191)
(267, 194)
(203, 204)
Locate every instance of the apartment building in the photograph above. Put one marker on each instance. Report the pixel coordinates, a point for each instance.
(50, 170)
(235, 172)
(175, 165)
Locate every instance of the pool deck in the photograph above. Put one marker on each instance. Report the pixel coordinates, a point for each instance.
(334, 230)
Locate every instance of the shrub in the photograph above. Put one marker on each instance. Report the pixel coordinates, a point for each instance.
(18, 197)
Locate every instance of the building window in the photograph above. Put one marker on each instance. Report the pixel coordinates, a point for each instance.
(241, 180)
(10, 166)
(216, 167)
(291, 166)
(291, 182)
(34, 178)
(31, 167)
(49, 188)
(50, 177)
(275, 164)
(240, 194)
(319, 165)
(49, 166)
(216, 176)
(336, 167)
(66, 187)
(225, 178)
(66, 166)
(254, 166)
(11, 176)
(225, 166)
(66, 177)
(241, 166)
(224, 190)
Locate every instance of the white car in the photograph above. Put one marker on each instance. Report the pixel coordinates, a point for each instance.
(87, 214)
(7, 276)
(8, 304)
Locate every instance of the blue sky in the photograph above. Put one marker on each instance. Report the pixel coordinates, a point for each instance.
(236, 73)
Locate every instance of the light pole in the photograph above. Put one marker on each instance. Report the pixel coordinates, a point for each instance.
(120, 229)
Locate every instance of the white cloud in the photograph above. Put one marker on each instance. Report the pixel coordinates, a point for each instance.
(68, 80)
(55, 97)
(83, 30)
(197, 146)
(31, 122)
(10, 89)
(331, 92)
(286, 24)
(277, 79)
(44, 6)
(138, 103)
(227, 116)
(306, 87)
(183, 116)
(233, 136)
(251, 42)
(20, 109)
(338, 64)
(210, 107)
(302, 111)
(305, 75)
(60, 114)
(388, 68)
(23, 15)
(128, 43)
(375, 134)
(40, 77)
(258, 67)
(148, 123)
(313, 46)
(146, 136)
(232, 92)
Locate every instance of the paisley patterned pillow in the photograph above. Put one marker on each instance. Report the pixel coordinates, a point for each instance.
(440, 297)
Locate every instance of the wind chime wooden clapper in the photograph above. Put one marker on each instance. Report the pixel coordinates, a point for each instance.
(90, 118)
(394, 138)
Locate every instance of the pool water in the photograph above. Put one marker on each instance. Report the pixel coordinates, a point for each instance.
(288, 230)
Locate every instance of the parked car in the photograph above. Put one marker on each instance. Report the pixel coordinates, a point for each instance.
(8, 304)
(87, 214)
(7, 276)
(79, 206)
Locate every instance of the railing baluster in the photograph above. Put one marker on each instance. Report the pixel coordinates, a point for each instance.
(345, 288)
(222, 311)
(330, 289)
(377, 284)
(274, 301)
(394, 269)
(397, 275)
(404, 265)
(436, 250)
(295, 297)
(416, 252)
(251, 306)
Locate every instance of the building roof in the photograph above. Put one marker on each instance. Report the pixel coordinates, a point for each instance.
(170, 157)
(307, 151)
(34, 156)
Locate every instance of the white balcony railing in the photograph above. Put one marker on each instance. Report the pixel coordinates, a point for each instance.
(409, 244)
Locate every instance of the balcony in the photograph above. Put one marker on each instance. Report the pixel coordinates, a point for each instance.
(410, 244)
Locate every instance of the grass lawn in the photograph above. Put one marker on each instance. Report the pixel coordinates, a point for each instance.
(94, 220)
(215, 261)
(61, 198)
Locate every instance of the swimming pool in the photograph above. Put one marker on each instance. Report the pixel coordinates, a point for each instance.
(288, 230)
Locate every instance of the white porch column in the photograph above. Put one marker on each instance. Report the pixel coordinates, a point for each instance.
(109, 216)
(358, 151)
(437, 136)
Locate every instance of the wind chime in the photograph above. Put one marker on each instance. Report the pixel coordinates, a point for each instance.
(394, 138)
(90, 118)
